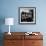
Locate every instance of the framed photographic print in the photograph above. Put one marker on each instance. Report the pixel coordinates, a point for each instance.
(27, 15)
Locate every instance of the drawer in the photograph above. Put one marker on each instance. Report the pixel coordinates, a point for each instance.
(33, 37)
(33, 43)
(37, 43)
(9, 43)
(13, 43)
(16, 37)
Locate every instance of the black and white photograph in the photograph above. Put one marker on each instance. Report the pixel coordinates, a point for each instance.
(27, 15)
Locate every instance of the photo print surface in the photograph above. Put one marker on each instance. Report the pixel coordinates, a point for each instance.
(27, 15)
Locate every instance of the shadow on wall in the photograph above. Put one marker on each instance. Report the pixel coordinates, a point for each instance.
(2, 21)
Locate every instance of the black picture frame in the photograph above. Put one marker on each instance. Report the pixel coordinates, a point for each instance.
(27, 15)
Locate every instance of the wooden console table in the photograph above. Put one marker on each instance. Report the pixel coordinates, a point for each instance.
(20, 39)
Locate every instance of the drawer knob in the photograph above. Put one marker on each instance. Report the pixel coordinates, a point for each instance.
(33, 42)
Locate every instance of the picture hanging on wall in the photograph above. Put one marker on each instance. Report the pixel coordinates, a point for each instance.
(27, 15)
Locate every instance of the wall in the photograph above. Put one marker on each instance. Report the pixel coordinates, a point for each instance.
(9, 8)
